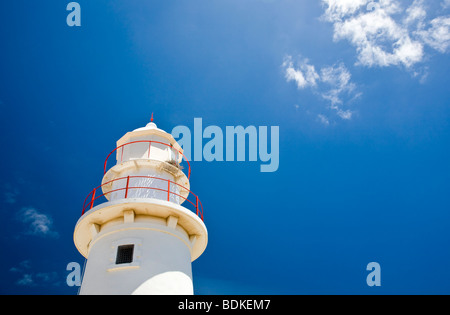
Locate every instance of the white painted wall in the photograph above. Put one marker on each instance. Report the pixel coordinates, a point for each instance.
(161, 262)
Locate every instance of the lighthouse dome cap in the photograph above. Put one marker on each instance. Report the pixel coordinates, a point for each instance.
(151, 125)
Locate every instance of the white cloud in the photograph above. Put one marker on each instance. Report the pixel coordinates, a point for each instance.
(338, 78)
(378, 39)
(304, 76)
(344, 114)
(333, 84)
(415, 13)
(37, 223)
(338, 9)
(386, 34)
(438, 34)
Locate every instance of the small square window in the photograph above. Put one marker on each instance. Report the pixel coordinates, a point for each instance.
(124, 254)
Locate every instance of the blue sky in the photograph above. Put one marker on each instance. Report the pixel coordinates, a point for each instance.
(359, 90)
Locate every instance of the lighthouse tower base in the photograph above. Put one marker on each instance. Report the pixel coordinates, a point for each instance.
(170, 273)
(139, 246)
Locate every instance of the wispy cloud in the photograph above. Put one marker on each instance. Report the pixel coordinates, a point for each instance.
(10, 193)
(446, 4)
(30, 278)
(332, 83)
(337, 77)
(385, 33)
(323, 119)
(437, 35)
(304, 76)
(37, 223)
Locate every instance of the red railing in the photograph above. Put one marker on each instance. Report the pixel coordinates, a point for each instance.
(92, 197)
(121, 147)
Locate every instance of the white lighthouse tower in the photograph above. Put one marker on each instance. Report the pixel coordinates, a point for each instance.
(134, 232)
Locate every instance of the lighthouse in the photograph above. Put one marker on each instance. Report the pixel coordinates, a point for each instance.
(142, 227)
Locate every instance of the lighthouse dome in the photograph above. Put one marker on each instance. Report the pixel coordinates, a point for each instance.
(149, 126)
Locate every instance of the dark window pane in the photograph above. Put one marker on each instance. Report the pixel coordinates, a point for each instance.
(124, 254)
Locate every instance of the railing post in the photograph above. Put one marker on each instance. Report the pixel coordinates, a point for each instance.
(126, 189)
(93, 198)
(168, 192)
(197, 205)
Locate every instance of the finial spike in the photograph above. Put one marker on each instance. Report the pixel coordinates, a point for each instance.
(151, 118)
